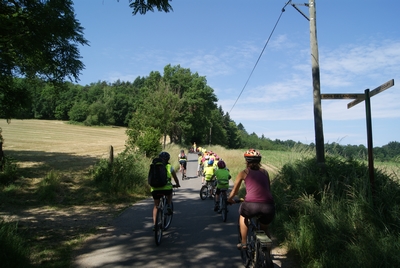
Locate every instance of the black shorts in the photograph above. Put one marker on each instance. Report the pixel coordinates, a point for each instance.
(158, 193)
(183, 162)
(218, 191)
(265, 212)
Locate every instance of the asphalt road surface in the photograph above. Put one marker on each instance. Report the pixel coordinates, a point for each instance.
(197, 237)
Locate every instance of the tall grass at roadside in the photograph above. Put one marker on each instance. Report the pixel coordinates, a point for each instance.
(50, 188)
(13, 249)
(331, 219)
(9, 172)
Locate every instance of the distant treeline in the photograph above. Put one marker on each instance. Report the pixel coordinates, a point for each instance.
(178, 103)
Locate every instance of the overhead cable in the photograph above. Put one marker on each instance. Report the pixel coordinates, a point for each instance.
(259, 57)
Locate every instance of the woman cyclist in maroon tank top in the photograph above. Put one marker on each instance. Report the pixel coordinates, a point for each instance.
(258, 200)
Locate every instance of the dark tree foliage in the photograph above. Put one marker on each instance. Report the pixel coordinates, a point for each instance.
(142, 6)
(39, 39)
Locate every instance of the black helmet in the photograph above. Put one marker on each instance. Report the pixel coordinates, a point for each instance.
(165, 156)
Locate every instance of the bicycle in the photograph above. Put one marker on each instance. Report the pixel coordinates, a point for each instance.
(207, 190)
(223, 201)
(259, 245)
(163, 218)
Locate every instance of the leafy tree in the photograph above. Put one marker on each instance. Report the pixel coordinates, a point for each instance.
(79, 111)
(160, 110)
(38, 39)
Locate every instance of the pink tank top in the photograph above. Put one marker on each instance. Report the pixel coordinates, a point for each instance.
(257, 187)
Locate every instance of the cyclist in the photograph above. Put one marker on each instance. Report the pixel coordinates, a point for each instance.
(165, 190)
(222, 175)
(258, 200)
(182, 161)
(200, 163)
(209, 171)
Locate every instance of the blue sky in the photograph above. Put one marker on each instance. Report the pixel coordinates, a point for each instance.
(359, 48)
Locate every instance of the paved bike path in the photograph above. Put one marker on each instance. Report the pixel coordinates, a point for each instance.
(197, 236)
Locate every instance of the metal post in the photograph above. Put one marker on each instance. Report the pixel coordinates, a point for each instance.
(369, 140)
(319, 133)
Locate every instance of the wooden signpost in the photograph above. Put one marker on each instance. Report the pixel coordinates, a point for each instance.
(358, 99)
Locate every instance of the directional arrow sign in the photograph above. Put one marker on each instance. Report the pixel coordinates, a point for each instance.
(341, 96)
(377, 90)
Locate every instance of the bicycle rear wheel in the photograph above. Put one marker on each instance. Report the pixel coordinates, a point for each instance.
(158, 228)
(168, 217)
(224, 209)
(203, 192)
(262, 256)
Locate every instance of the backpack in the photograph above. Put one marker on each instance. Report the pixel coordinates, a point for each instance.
(157, 173)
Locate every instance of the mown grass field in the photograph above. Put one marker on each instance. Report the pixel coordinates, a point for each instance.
(42, 145)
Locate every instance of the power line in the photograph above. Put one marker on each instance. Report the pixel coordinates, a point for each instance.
(259, 57)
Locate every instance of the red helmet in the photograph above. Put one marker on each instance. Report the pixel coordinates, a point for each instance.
(252, 156)
(221, 164)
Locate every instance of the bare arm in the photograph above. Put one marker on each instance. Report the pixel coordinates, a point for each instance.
(238, 182)
(175, 178)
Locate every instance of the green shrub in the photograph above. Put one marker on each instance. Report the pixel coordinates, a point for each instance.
(126, 175)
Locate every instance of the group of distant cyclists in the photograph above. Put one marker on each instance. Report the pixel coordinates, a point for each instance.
(258, 201)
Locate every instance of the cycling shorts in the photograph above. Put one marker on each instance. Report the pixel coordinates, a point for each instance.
(266, 212)
(183, 163)
(218, 191)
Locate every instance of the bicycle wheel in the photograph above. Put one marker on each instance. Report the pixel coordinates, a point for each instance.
(168, 217)
(262, 256)
(158, 228)
(203, 192)
(224, 210)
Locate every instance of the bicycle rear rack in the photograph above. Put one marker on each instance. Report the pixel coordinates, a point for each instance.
(264, 239)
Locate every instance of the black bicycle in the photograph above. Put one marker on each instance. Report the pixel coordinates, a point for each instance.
(258, 246)
(163, 218)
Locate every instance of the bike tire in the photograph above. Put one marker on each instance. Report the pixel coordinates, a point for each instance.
(224, 210)
(158, 228)
(168, 218)
(203, 192)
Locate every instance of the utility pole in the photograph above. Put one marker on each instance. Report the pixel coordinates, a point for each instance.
(319, 132)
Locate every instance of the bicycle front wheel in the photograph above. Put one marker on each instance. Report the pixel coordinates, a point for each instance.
(203, 192)
(168, 217)
(158, 228)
